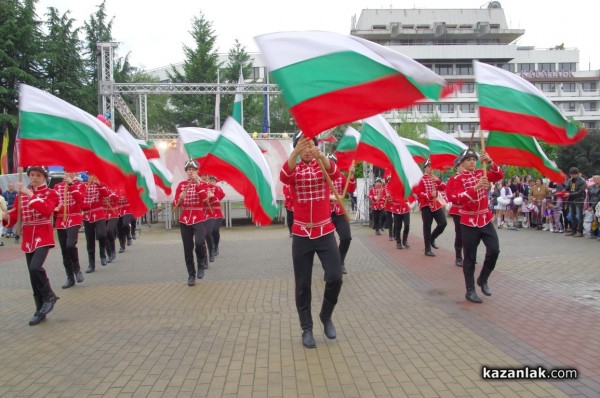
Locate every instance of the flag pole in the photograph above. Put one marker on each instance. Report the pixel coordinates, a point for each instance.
(350, 175)
(483, 164)
(65, 198)
(18, 203)
(335, 193)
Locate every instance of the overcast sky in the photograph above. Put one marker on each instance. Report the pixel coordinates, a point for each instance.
(155, 31)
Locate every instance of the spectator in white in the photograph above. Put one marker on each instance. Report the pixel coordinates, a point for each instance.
(503, 213)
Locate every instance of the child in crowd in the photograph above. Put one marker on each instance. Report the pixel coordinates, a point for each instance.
(588, 217)
(530, 211)
(549, 216)
(556, 215)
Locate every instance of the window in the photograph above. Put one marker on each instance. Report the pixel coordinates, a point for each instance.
(467, 108)
(569, 106)
(526, 67)
(589, 125)
(588, 86)
(255, 73)
(426, 108)
(569, 87)
(379, 27)
(464, 69)
(567, 67)
(548, 87)
(467, 127)
(508, 67)
(447, 108)
(590, 106)
(443, 70)
(547, 67)
(428, 66)
(467, 88)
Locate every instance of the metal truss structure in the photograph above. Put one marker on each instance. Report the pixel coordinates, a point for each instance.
(110, 94)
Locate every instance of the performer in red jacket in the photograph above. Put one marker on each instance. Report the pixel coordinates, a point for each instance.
(69, 217)
(470, 189)
(36, 206)
(377, 198)
(432, 208)
(454, 212)
(94, 219)
(313, 232)
(342, 226)
(215, 203)
(124, 223)
(400, 210)
(289, 207)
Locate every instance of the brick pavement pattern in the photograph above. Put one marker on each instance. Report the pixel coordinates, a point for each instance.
(134, 328)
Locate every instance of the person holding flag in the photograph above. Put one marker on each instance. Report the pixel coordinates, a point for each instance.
(400, 210)
(94, 220)
(432, 207)
(377, 197)
(215, 203)
(454, 212)
(35, 206)
(313, 232)
(124, 223)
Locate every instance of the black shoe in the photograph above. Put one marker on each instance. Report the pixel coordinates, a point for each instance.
(192, 280)
(128, 241)
(216, 251)
(434, 245)
(133, 237)
(201, 273)
(103, 261)
(377, 232)
(459, 262)
(211, 258)
(308, 340)
(399, 245)
(485, 289)
(204, 264)
(90, 269)
(429, 253)
(69, 283)
(78, 276)
(112, 257)
(344, 271)
(472, 296)
(48, 304)
(122, 249)
(405, 244)
(37, 318)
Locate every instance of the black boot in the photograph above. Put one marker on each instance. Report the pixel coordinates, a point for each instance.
(203, 263)
(485, 289)
(405, 241)
(306, 323)
(48, 303)
(92, 264)
(472, 296)
(69, 283)
(344, 270)
(211, 256)
(458, 262)
(75, 264)
(216, 251)
(399, 245)
(325, 316)
(37, 317)
(428, 252)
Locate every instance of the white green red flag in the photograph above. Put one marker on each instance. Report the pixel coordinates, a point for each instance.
(380, 145)
(237, 159)
(523, 151)
(419, 152)
(140, 163)
(443, 148)
(54, 132)
(238, 102)
(163, 178)
(511, 104)
(197, 141)
(328, 79)
(346, 149)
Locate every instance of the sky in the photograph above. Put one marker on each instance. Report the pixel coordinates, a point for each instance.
(154, 32)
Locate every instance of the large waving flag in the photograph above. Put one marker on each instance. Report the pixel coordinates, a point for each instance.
(197, 141)
(328, 79)
(163, 178)
(237, 159)
(4, 152)
(419, 152)
(511, 104)
(346, 149)
(523, 151)
(140, 164)
(443, 148)
(54, 132)
(238, 102)
(380, 145)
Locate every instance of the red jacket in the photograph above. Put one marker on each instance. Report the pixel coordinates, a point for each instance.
(192, 205)
(377, 197)
(123, 207)
(111, 205)
(93, 202)
(396, 205)
(456, 207)
(310, 195)
(339, 184)
(74, 204)
(36, 216)
(424, 192)
(287, 193)
(475, 210)
(215, 202)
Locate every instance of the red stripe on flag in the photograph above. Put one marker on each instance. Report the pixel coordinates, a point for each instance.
(519, 157)
(440, 161)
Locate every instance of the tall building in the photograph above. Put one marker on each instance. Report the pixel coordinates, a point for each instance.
(448, 40)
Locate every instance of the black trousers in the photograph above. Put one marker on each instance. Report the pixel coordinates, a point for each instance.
(289, 218)
(399, 220)
(303, 254)
(108, 246)
(133, 224)
(37, 274)
(194, 241)
(67, 239)
(428, 216)
(124, 229)
(94, 230)
(389, 223)
(210, 225)
(216, 232)
(471, 237)
(378, 219)
(342, 226)
(458, 242)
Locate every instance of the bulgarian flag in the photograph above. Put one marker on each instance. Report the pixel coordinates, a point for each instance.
(57, 133)
(197, 141)
(511, 104)
(521, 150)
(328, 79)
(380, 145)
(138, 159)
(346, 149)
(163, 178)
(418, 151)
(443, 148)
(238, 102)
(237, 159)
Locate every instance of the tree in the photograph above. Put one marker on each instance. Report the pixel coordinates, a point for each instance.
(64, 71)
(201, 66)
(583, 155)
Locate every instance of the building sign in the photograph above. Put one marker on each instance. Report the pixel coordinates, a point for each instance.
(538, 74)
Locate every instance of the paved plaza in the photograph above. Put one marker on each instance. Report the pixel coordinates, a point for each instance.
(134, 328)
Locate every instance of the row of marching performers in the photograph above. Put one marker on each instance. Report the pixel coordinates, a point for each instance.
(103, 213)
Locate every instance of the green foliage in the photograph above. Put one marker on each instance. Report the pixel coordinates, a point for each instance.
(583, 155)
